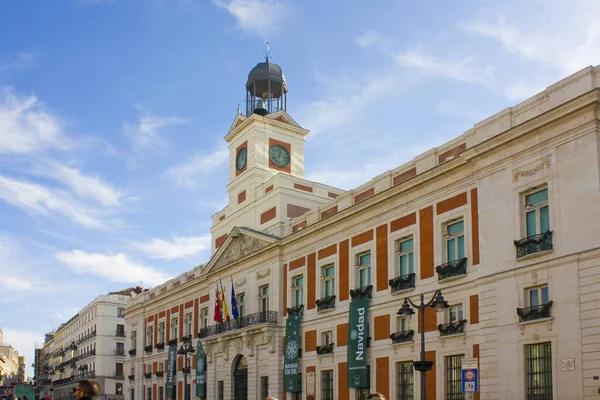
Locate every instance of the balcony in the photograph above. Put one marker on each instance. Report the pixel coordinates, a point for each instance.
(131, 377)
(160, 374)
(326, 303)
(173, 342)
(536, 312)
(120, 352)
(132, 352)
(147, 375)
(362, 293)
(265, 317)
(452, 328)
(291, 311)
(148, 349)
(402, 282)
(118, 375)
(325, 349)
(160, 346)
(452, 269)
(187, 338)
(533, 244)
(402, 337)
(120, 333)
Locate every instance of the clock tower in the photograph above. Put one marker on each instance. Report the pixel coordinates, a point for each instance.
(266, 162)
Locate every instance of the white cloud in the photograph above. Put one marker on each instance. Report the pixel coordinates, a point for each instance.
(521, 90)
(188, 174)
(25, 126)
(256, 17)
(466, 69)
(146, 132)
(114, 267)
(87, 186)
(373, 39)
(178, 247)
(565, 35)
(38, 199)
(16, 282)
(19, 61)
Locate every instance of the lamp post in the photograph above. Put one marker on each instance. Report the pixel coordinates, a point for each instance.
(184, 351)
(437, 302)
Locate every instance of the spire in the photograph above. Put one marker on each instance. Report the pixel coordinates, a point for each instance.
(267, 54)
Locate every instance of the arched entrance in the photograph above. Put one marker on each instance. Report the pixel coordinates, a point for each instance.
(240, 378)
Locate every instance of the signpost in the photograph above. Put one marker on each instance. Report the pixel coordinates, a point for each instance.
(470, 376)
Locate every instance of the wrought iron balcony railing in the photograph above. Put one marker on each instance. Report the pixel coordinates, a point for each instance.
(119, 352)
(536, 312)
(265, 317)
(120, 333)
(291, 311)
(325, 349)
(452, 328)
(131, 377)
(173, 342)
(402, 337)
(534, 244)
(148, 349)
(402, 282)
(118, 375)
(160, 346)
(326, 303)
(451, 269)
(132, 352)
(362, 293)
(147, 375)
(160, 374)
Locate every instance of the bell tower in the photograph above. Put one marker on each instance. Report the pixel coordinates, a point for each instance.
(266, 168)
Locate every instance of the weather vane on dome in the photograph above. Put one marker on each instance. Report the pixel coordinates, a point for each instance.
(267, 54)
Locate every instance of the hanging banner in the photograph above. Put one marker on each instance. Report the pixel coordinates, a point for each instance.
(358, 333)
(200, 370)
(171, 371)
(291, 359)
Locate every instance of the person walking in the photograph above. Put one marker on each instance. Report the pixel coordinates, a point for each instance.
(376, 396)
(86, 389)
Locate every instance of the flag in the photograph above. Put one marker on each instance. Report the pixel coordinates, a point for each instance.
(217, 316)
(224, 304)
(234, 310)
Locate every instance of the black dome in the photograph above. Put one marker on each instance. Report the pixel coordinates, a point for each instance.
(260, 76)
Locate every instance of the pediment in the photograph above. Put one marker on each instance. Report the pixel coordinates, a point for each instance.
(284, 117)
(237, 121)
(240, 243)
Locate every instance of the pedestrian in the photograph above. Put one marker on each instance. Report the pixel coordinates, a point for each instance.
(86, 389)
(376, 396)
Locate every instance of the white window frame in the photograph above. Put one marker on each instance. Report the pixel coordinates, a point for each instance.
(161, 331)
(360, 267)
(404, 323)
(325, 335)
(459, 309)
(539, 290)
(188, 324)
(455, 237)
(240, 299)
(537, 207)
(150, 335)
(263, 299)
(400, 254)
(327, 279)
(174, 328)
(204, 317)
(295, 289)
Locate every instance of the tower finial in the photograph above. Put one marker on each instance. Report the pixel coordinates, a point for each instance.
(267, 53)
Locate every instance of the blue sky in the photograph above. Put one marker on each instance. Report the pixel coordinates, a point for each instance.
(113, 113)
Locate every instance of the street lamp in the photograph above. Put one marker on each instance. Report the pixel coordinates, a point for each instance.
(184, 351)
(437, 302)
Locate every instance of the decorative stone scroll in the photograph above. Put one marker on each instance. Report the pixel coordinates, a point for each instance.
(546, 161)
(263, 274)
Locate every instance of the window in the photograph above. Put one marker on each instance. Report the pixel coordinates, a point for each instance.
(120, 350)
(404, 380)
(220, 390)
(204, 318)
(149, 393)
(362, 393)
(161, 393)
(537, 213)
(263, 298)
(188, 324)
(119, 370)
(539, 371)
(240, 298)
(132, 394)
(455, 241)
(406, 263)
(537, 296)
(160, 367)
(149, 335)
(174, 328)
(161, 332)
(364, 269)
(121, 312)
(298, 290)
(455, 313)
(264, 387)
(404, 324)
(328, 277)
(118, 389)
(327, 385)
(454, 378)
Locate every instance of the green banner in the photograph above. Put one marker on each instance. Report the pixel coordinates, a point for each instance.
(200, 370)
(358, 333)
(171, 367)
(291, 359)
(25, 390)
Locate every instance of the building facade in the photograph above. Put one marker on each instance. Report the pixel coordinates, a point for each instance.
(89, 345)
(503, 220)
(9, 363)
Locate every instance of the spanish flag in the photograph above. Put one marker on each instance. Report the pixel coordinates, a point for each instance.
(224, 304)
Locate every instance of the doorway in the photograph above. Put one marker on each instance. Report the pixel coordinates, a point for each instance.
(240, 378)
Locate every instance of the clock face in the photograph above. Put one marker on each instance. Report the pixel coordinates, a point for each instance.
(241, 158)
(279, 156)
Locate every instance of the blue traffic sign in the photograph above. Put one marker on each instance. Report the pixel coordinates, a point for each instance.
(470, 380)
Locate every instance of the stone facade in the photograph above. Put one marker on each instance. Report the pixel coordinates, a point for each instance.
(516, 299)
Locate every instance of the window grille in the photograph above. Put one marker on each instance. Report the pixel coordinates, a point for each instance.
(405, 381)
(327, 385)
(454, 378)
(539, 371)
